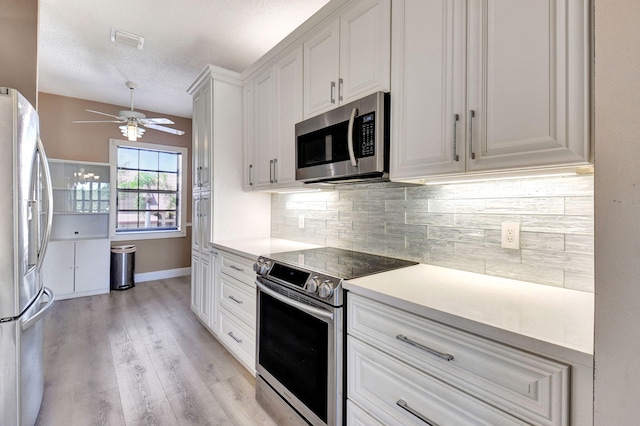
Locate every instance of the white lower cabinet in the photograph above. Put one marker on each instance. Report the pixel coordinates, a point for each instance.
(404, 369)
(202, 292)
(236, 297)
(356, 416)
(77, 268)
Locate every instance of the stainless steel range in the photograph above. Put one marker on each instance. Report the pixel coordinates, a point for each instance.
(300, 323)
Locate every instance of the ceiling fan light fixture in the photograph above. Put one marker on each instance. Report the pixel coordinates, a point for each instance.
(126, 38)
(132, 131)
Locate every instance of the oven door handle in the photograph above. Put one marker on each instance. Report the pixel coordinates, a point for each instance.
(305, 308)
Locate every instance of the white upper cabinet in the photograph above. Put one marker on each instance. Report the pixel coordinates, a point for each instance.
(489, 85)
(263, 102)
(321, 69)
(427, 88)
(348, 57)
(288, 73)
(277, 107)
(528, 68)
(202, 128)
(247, 137)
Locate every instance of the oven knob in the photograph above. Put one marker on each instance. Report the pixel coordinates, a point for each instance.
(264, 268)
(312, 285)
(325, 290)
(261, 267)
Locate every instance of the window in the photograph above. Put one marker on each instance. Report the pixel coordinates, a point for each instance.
(148, 187)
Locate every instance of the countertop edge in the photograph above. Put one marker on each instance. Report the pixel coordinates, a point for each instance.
(255, 247)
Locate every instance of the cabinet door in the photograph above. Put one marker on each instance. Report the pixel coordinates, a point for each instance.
(92, 265)
(528, 83)
(58, 268)
(248, 141)
(201, 223)
(205, 280)
(213, 283)
(202, 137)
(321, 68)
(427, 88)
(196, 284)
(288, 97)
(263, 96)
(365, 50)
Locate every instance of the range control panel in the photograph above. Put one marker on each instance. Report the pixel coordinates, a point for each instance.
(367, 135)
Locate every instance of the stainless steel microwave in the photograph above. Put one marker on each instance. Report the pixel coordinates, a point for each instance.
(347, 144)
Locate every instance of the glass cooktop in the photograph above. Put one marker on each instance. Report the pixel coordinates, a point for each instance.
(340, 263)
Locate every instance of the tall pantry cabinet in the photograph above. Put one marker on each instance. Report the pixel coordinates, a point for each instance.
(221, 210)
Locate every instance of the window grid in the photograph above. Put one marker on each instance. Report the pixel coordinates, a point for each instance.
(142, 203)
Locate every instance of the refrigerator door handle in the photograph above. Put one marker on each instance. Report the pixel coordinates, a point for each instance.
(38, 316)
(49, 192)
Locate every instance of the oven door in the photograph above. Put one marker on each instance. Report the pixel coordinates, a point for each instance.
(298, 352)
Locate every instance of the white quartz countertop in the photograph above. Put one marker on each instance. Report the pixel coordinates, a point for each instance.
(548, 320)
(252, 248)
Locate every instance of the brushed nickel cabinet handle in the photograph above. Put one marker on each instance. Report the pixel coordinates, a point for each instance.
(403, 404)
(270, 171)
(239, 302)
(333, 89)
(456, 119)
(234, 337)
(250, 174)
(236, 268)
(340, 84)
(275, 176)
(472, 114)
(445, 356)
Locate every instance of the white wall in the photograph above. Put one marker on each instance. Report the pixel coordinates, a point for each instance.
(617, 212)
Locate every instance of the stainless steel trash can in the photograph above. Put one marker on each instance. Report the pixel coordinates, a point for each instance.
(123, 262)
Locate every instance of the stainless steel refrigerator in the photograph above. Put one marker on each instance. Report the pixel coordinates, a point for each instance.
(25, 224)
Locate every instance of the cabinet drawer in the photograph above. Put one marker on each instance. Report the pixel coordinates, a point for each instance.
(238, 267)
(380, 383)
(530, 387)
(356, 416)
(238, 299)
(239, 339)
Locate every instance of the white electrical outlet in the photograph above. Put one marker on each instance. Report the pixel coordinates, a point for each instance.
(301, 221)
(511, 235)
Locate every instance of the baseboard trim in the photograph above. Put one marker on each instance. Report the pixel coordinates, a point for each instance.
(161, 275)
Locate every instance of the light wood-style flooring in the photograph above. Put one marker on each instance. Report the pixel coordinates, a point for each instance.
(140, 357)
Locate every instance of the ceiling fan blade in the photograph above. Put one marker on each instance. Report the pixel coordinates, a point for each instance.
(98, 121)
(102, 113)
(157, 121)
(164, 129)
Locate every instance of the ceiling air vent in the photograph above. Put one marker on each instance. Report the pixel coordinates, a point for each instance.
(129, 39)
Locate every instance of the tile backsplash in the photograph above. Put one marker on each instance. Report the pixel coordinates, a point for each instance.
(456, 225)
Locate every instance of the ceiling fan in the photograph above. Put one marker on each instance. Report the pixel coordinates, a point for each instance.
(132, 120)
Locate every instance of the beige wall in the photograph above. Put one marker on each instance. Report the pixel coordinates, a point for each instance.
(63, 139)
(617, 212)
(19, 47)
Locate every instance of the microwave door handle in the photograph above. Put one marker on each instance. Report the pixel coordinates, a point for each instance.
(352, 156)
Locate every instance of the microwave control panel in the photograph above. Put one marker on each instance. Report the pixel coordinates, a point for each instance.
(367, 135)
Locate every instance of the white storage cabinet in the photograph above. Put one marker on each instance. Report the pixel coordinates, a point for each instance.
(488, 86)
(236, 295)
(406, 369)
(277, 107)
(348, 57)
(77, 268)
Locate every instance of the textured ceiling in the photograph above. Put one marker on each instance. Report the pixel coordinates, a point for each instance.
(77, 58)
